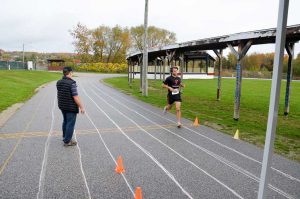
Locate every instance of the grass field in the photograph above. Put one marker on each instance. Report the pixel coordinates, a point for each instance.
(18, 86)
(199, 99)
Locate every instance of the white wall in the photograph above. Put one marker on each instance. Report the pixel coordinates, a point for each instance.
(185, 76)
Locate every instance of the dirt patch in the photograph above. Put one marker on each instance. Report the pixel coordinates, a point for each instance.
(213, 125)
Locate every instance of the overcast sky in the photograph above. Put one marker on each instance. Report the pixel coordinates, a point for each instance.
(43, 25)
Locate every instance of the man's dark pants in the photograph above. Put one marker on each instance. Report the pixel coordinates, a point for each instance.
(68, 125)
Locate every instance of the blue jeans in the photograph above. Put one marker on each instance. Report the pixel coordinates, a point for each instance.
(68, 125)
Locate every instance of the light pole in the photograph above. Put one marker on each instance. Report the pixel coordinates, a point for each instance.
(274, 98)
(145, 53)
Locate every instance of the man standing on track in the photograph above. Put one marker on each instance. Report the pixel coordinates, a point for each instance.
(68, 103)
(173, 84)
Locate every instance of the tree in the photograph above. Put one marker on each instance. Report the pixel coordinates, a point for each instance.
(255, 61)
(285, 63)
(106, 44)
(118, 42)
(232, 61)
(1, 52)
(157, 37)
(268, 61)
(6, 57)
(296, 66)
(160, 37)
(82, 41)
(99, 42)
(137, 37)
(103, 44)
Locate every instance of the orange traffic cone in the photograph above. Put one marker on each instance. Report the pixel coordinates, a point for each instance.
(138, 193)
(196, 122)
(120, 168)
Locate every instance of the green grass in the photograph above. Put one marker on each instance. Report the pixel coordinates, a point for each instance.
(199, 99)
(18, 86)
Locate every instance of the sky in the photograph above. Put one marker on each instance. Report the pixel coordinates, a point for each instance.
(44, 25)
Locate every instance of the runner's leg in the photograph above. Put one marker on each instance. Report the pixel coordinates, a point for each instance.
(178, 111)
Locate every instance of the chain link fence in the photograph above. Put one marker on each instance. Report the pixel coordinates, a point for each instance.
(13, 65)
(18, 65)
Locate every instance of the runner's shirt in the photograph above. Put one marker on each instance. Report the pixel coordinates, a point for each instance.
(173, 82)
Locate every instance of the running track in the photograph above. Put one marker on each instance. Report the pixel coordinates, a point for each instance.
(164, 161)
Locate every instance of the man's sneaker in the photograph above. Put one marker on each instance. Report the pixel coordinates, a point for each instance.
(179, 125)
(71, 143)
(165, 110)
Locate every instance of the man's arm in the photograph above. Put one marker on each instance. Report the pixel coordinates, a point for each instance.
(79, 104)
(167, 87)
(76, 97)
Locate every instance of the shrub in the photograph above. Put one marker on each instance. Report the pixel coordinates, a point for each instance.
(102, 67)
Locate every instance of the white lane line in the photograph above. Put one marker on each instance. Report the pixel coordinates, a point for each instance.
(40, 193)
(35, 112)
(5, 163)
(141, 148)
(81, 167)
(217, 157)
(222, 145)
(192, 163)
(112, 157)
(106, 147)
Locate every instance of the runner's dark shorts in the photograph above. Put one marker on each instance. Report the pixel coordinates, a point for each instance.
(173, 98)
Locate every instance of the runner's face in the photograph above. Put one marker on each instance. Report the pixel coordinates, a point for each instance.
(174, 72)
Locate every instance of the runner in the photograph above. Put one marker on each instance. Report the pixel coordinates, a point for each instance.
(173, 84)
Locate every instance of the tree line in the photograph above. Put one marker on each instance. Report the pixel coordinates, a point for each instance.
(112, 44)
(260, 62)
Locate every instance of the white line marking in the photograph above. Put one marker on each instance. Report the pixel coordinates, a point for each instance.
(141, 148)
(219, 158)
(218, 181)
(5, 163)
(40, 193)
(227, 147)
(112, 157)
(81, 167)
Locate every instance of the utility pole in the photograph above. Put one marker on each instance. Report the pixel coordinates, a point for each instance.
(23, 56)
(145, 53)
